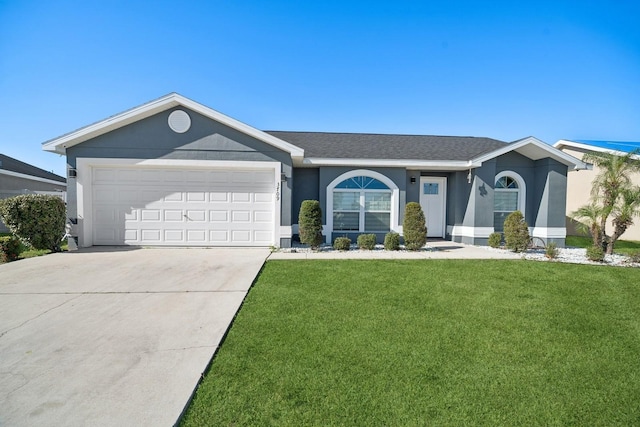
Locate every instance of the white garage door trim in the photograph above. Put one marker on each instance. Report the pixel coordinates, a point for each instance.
(85, 168)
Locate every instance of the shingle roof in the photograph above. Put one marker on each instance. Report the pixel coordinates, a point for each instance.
(388, 146)
(12, 165)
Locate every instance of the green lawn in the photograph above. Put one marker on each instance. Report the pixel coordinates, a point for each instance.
(624, 247)
(438, 342)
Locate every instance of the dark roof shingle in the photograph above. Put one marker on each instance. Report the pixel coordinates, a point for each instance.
(12, 165)
(388, 146)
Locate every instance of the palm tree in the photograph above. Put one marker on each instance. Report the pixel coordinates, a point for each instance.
(588, 221)
(628, 207)
(613, 179)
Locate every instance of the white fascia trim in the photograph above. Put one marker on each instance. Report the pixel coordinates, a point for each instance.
(84, 182)
(31, 177)
(554, 153)
(548, 232)
(409, 164)
(60, 144)
(588, 147)
(467, 231)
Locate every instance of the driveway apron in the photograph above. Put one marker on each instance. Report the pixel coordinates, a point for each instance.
(114, 336)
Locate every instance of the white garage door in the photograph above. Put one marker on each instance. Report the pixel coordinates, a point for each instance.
(165, 207)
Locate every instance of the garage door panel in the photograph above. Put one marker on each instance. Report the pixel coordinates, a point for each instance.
(183, 207)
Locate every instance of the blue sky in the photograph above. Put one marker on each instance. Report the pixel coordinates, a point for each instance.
(501, 69)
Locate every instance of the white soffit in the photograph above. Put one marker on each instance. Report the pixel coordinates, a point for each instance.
(60, 144)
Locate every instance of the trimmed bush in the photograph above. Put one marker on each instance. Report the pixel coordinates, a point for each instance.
(516, 232)
(495, 240)
(310, 223)
(595, 253)
(342, 244)
(551, 250)
(10, 248)
(391, 241)
(38, 220)
(367, 241)
(414, 227)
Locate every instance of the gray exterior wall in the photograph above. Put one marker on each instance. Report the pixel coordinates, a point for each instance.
(151, 138)
(307, 187)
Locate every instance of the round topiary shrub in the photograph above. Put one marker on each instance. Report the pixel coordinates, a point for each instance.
(392, 241)
(342, 244)
(38, 220)
(516, 232)
(595, 253)
(495, 240)
(310, 223)
(414, 227)
(367, 241)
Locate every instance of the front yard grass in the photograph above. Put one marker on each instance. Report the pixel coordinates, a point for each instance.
(437, 342)
(623, 247)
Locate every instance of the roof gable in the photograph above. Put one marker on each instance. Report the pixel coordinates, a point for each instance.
(60, 144)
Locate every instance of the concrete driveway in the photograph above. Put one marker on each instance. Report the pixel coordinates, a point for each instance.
(114, 336)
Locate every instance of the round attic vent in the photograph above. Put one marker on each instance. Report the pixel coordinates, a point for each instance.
(179, 121)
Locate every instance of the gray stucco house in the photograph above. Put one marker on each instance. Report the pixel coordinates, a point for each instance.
(175, 172)
(17, 178)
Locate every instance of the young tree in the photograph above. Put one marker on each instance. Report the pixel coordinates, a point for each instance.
(609, 187)
(624, 213)
(588, 221)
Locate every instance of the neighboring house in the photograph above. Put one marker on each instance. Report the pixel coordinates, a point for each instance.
(17, 178)
(175, 172)
(579, 183)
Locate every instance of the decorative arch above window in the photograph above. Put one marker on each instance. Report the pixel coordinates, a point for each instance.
(362, 201)
(509, 196)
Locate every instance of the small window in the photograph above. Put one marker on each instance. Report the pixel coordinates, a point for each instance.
(430, 188)
(506, 199)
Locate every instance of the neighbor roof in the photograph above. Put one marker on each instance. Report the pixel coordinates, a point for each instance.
(9, 164)
(597, 145)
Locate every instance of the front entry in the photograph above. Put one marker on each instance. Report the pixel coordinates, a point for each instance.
(433, 194)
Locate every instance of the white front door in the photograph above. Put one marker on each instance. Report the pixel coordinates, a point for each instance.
(433, 194)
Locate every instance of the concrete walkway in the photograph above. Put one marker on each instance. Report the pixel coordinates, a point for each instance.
(111, 336)
(435, 249)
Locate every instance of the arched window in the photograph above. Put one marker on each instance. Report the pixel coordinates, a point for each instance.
(509, 192)
(361, 203)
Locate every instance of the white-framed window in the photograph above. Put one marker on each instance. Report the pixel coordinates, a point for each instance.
(362, 201)
(508, 196)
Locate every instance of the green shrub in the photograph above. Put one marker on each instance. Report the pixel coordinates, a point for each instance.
(10, 248)
(551, 250)
(38, 220)
(342, 244)
(634, 256)
(595, 253)
(414, 227)
(310, 223)
(367, 241)
(495, 240)
(391, 241)
(516, 232)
